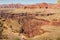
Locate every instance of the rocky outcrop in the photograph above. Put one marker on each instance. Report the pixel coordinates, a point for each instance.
(32, 26)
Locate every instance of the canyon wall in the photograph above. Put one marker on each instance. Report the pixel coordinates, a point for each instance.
(33, 6)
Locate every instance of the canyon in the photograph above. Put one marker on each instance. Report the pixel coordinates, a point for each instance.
(39, 21)
(31, 24)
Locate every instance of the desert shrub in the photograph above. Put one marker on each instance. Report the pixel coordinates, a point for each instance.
(17, 39)
(36, 14)
(11, 26)
(1, 29)
(45, 38)
(58, 38)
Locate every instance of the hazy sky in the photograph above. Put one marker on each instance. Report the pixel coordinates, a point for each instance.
(26, 1)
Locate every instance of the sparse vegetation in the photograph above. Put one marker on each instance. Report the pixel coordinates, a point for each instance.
(14, 23)
(58, 38)
(1, 29)
(18, 39)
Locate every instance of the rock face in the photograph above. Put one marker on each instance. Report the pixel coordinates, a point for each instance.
(32, 26)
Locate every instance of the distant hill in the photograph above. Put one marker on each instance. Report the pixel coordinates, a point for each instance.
(10, 5)
(37, 5)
